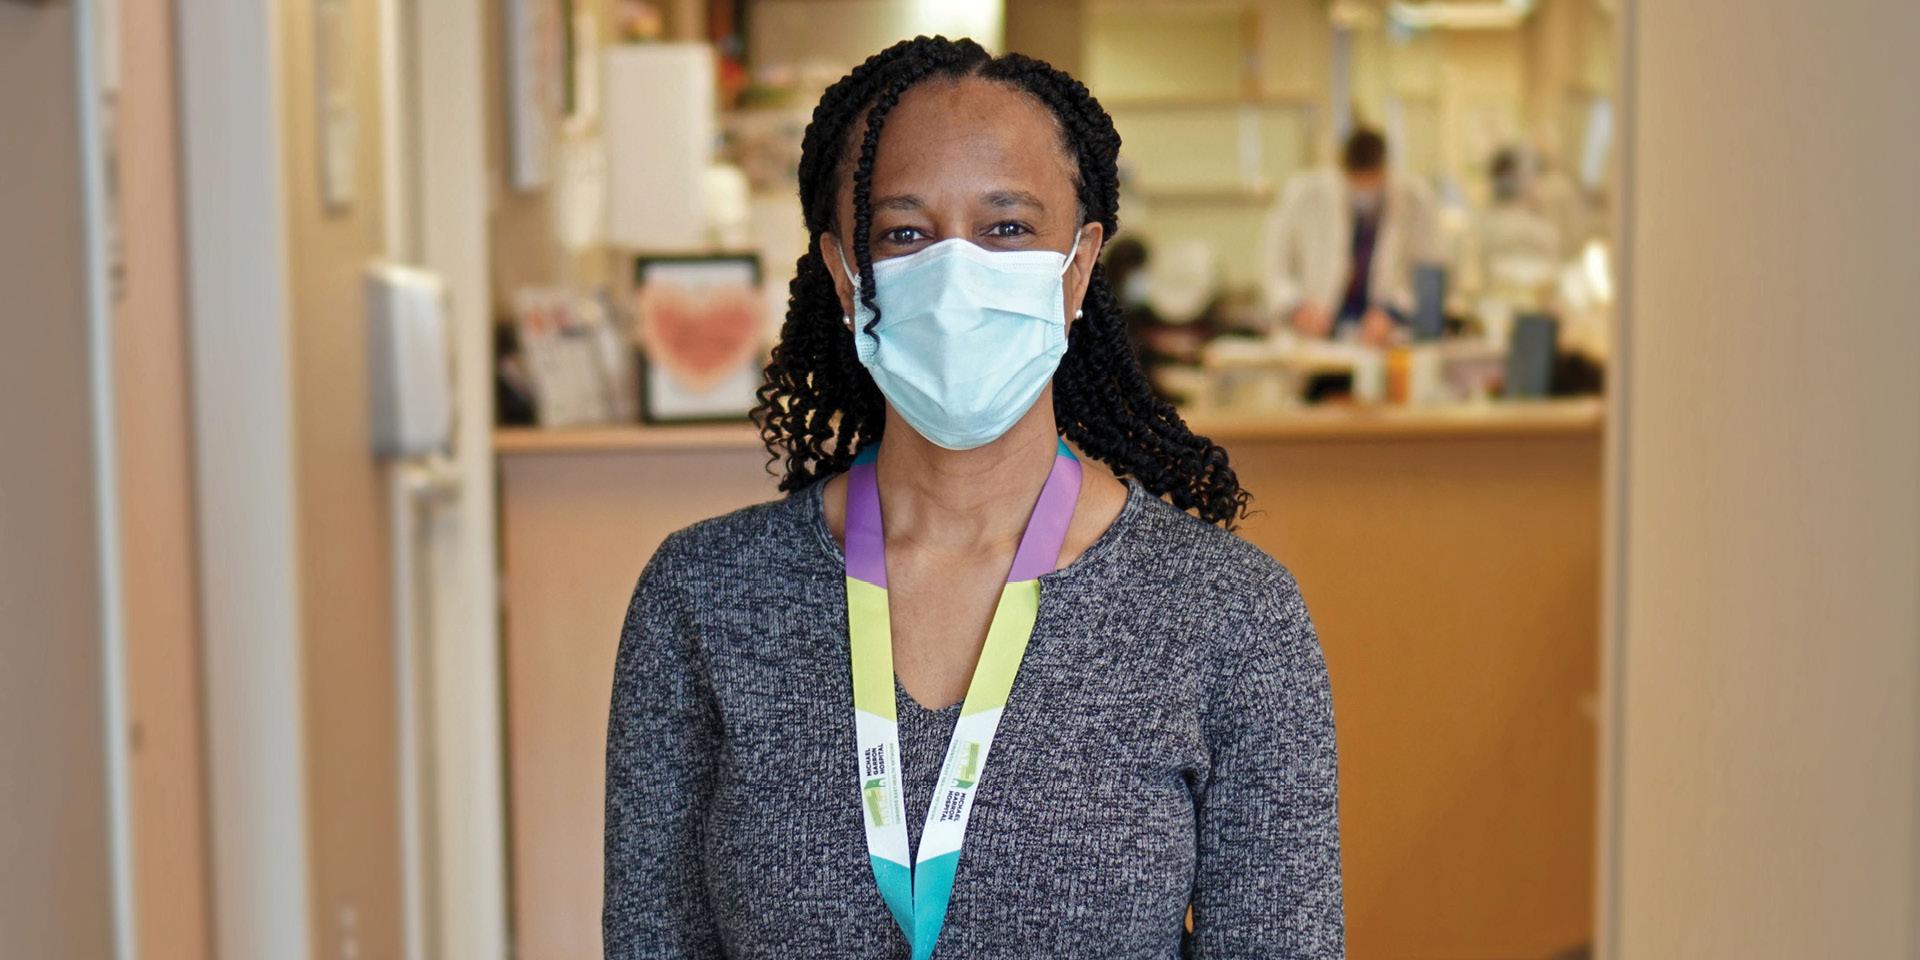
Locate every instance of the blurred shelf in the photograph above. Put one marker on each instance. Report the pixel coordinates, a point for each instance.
(1206, 101)
(1569, 417)
(1573, 416)
(1223, 195)
(603, 438)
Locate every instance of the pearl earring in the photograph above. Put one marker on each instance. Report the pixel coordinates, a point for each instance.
(1078, 313)
(847, 320)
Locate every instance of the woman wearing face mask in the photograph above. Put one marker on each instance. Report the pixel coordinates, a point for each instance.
(964, 687)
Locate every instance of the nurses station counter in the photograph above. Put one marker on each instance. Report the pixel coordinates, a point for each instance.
(1450, 559)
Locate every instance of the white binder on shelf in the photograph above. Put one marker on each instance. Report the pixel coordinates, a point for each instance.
(658, 122)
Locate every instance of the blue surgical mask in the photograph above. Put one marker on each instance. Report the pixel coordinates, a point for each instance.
(967, 338)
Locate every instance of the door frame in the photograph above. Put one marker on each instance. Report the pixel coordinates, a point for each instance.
(435, 115)
(235, 236)
(1612, 708)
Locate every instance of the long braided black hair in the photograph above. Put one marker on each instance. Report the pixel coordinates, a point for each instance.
(819, 407)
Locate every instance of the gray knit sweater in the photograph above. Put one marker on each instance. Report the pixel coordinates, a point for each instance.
(1168, 742)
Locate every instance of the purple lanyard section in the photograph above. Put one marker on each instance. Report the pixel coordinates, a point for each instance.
(1039, 551)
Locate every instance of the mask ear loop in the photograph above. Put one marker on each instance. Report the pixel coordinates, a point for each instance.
(1077, 312)
(1072, 250)
(852, 277)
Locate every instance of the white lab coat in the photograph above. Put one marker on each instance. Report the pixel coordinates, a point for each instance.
(1512, 250)
(1307, 247)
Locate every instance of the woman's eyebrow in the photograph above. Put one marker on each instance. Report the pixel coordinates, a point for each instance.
(1012, 198)
(992, 198)
(899, 201)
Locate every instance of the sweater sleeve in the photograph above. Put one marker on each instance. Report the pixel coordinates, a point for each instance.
(662, 738)
(1268, 881)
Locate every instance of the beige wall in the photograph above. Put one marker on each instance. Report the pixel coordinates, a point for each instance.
(1216, 108)
(157, 556)
(1466, 93)
(1769, 683)
(55, 897)
(1570, 57)
(841, 33)
(1050, 30)
(345, 598)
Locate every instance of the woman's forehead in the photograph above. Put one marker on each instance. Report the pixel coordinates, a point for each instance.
(971, 137)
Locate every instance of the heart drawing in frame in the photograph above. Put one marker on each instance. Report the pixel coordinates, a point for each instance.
(700, 320)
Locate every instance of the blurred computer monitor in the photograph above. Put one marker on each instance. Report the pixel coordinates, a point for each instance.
(1530, 355)
(1429, 301)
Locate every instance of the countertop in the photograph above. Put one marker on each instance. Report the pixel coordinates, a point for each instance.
(1574, 416)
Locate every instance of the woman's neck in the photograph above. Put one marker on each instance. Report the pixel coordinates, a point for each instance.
(961, 501)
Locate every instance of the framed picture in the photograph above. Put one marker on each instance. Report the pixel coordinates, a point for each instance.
(573, 357)
(700, 322)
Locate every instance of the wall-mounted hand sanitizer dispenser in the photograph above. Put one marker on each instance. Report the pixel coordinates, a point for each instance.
(408, 361)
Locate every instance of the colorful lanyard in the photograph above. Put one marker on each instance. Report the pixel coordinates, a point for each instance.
(918, 895)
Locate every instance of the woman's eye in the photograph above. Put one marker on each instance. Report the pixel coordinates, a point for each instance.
(901, 235)
(1008, 228)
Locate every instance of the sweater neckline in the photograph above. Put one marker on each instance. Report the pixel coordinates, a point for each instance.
(813, 500)
(1138, 500)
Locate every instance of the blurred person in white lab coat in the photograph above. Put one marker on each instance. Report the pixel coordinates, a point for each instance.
(1553, 193)
(1341, 246)
(1518, 249)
